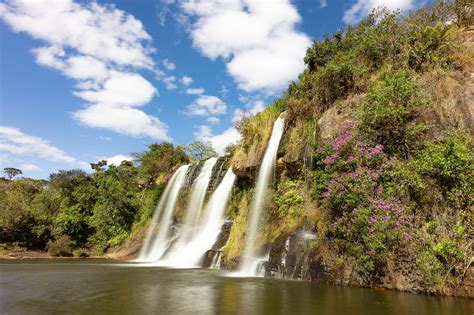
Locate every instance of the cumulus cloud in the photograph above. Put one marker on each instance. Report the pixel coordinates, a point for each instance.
(168, 65)
(117, 159)
(109, 34)
(203, 132)
(258, 40)
(195, 91)
(206, 105)
(121, 90)
(15, 142)
(186, 80)
(99, 46)
(362, 7)
(123, 120)
(219, 141)
(170, 82)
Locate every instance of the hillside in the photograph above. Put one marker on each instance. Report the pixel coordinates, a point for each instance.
(376, 160)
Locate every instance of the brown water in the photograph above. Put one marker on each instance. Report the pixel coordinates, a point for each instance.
(108, 287)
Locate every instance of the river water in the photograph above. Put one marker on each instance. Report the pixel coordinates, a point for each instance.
(110, 287)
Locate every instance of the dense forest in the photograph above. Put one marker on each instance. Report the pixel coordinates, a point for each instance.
(81, 213)
(376, 161)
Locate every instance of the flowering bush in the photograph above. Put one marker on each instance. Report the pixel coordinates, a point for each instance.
(367, 220)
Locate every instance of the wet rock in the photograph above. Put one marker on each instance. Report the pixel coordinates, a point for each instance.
(218, 172)
(222, 239)
(291, 258)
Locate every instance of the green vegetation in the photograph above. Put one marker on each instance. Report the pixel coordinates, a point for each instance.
(378, 149)
(199, 150)
(74, 209)
(255, 133)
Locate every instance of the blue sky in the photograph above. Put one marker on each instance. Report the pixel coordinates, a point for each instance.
(83, 81)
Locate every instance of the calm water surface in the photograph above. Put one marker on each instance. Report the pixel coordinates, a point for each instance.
(107, 287)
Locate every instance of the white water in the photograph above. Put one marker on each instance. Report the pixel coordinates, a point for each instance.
(264, 176)
(155, 244)
(216, 261)
(191, 253)
(192, 213)
(257, 268)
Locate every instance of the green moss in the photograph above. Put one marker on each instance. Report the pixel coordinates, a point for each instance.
(256, 133)
(239, 210)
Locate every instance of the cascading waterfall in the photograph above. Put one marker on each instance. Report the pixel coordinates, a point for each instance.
(191, 253)
(216, 260)
(193, 212)
(263, 180)
(155, 244)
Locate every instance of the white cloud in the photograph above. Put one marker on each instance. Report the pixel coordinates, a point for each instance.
(123, 120)
(195, 91)
(206, 105)
(323, 3)
(30, 167)
(117, 159)
(121, 89)
(77, 67)
(100, 47)
(362, 7)
(257, 39)
(186, 80)
(169, 82)
(15, 142)
(102, 31)
(203, 132)
(213, 120)
(251, 109)
(168, 65)
(220, 141)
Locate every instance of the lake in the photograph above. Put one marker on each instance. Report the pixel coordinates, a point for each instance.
(86, 286)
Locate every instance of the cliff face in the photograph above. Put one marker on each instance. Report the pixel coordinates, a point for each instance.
(338, 215)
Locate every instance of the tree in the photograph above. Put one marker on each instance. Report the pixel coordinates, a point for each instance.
(230, 149)
(200, 150)
(99, 165)
(67, 181)
(12, 172)
(159, 159)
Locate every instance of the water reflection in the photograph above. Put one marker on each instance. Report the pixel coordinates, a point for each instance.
(77, 287)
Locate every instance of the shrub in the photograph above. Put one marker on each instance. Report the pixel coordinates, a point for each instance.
(389, 114)
(322, 51)
(288, 200)
(450, 162)
(334, 80)
(430, 46)
(62, 246)
(367, 222)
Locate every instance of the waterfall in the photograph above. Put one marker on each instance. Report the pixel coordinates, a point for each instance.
(264, 177)
(189, 253)
(154, 245)
(216, 260)
(192, 213)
